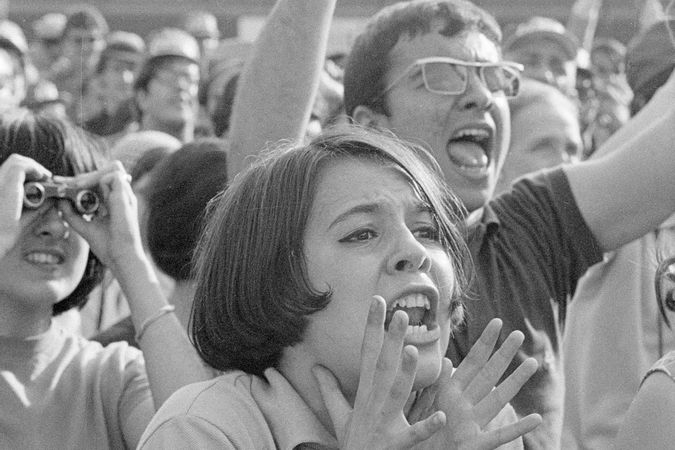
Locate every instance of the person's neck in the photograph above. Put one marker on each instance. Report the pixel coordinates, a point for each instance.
(184, 132)
(23, 323)
(296, 368)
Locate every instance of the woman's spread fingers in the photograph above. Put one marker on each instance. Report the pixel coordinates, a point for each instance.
(423, 404)
(337, 406)
(490, 406)
(492, 371)
(478, 355)
(371, 346)
(508, 433)
(403, 383)
(389, 361)
(423, 430)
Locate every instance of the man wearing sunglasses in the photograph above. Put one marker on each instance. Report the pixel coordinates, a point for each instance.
(432, 72)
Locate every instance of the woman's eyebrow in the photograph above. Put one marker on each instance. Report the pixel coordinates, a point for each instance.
(366, 208)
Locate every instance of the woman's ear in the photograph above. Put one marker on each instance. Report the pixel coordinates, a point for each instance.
(365, 116)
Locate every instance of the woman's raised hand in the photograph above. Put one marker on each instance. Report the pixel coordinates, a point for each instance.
(377, 420)
(14, 172)
(470, 400)
(113, 232)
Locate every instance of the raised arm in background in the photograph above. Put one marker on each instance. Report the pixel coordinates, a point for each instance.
(583, 21)
(278, 85)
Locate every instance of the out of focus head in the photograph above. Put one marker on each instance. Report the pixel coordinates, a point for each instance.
(456, 107)
(547, 50)
(120, 60)
(262, 283)
(64, 150)
(545, 131)
(650, 59)
(83, 37)
(166, 88)
(13, 54)
(46, 43)
(203, 26)
(608, 58)
(180, 188)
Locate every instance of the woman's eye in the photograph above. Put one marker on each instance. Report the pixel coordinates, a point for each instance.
(359, 236)
(429, 233)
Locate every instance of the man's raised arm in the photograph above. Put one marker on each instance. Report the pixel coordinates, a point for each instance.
(627, 192)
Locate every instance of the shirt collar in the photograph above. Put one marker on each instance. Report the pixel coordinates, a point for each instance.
(291, 420)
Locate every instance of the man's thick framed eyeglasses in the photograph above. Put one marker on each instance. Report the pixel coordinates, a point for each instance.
(450, 76)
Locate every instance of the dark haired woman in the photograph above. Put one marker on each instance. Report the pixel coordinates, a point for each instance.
(302, 253)
(58, 390)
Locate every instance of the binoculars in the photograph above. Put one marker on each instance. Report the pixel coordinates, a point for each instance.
(85, 201)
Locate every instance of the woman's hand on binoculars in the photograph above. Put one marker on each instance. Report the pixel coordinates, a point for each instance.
(113, 232)
(14, 172)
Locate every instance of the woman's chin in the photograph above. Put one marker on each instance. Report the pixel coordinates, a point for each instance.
(428, 371)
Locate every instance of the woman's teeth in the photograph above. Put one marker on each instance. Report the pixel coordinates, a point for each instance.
(43, 258)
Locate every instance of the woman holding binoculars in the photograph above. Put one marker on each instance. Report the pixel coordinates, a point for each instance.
(58, 390)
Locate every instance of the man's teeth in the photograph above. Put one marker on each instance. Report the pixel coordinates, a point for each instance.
(475, 133)
(43, 258)
(412, 301)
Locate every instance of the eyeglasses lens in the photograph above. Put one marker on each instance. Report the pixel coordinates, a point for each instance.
(444, 78)
(449, 78)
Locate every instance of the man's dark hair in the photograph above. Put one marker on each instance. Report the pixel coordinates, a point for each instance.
(368, 60)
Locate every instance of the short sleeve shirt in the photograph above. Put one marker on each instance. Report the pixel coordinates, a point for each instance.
(529, 250)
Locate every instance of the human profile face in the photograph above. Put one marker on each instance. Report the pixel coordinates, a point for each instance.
(83, 47)
(44, 266)
(369, 233)
(543, 134)
(467, 133)
(171, 96)
(546, 61)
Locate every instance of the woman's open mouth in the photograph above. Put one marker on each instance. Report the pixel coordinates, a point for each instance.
(422, 326)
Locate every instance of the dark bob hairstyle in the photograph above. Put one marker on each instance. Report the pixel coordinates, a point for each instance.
(180, 188)
(253, 296)
(65, 150)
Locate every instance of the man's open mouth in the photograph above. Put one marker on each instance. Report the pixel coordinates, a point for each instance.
(469, 150)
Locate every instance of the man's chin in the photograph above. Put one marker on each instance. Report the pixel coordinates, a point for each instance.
(474, 199)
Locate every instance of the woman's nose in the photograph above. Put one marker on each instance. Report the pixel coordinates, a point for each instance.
(52, 224)
(408, 255)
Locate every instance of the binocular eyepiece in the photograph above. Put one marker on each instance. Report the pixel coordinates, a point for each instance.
(85, 201)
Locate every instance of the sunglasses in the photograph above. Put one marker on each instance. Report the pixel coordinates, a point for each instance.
(449, 76)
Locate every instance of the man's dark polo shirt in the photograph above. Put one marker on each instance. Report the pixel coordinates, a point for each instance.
(529, 250)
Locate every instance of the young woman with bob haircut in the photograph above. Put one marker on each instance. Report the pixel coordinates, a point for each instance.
(59, 390)
(328, 284)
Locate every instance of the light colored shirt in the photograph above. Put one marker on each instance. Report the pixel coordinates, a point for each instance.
(237, 411)
(58, 390)
(613, 334)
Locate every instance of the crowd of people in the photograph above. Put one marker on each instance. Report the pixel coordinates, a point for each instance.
(450, 236)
